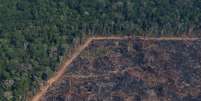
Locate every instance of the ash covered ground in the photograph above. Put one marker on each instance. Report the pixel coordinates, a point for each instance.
(134, 70)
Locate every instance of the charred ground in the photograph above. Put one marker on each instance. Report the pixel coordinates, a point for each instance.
(134, 70)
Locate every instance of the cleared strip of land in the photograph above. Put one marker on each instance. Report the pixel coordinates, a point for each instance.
(78, 50)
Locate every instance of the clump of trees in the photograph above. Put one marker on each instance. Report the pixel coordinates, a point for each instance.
(34, 34)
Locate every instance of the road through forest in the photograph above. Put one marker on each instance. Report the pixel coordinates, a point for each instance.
(78, 50)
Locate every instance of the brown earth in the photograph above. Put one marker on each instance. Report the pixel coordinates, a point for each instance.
(139, 74)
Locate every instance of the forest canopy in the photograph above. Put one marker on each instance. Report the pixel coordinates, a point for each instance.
(34, 34)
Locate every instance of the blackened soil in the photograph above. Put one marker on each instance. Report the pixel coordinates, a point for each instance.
(141, 71)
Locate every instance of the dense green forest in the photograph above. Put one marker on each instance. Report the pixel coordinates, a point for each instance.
(34, 34)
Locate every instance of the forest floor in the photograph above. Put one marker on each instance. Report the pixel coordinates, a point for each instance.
(62, 69)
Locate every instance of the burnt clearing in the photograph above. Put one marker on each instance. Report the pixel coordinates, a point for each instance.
(132, 70)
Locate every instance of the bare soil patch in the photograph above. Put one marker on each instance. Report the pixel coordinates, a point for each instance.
(132, 70)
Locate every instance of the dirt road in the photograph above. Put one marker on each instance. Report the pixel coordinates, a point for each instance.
(76, 53)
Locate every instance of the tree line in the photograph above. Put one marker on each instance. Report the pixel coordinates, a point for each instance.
(35, 34)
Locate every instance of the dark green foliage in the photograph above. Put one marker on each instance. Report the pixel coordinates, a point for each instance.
(34, 34)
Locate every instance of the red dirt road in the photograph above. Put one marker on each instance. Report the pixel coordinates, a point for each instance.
(76, 53)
